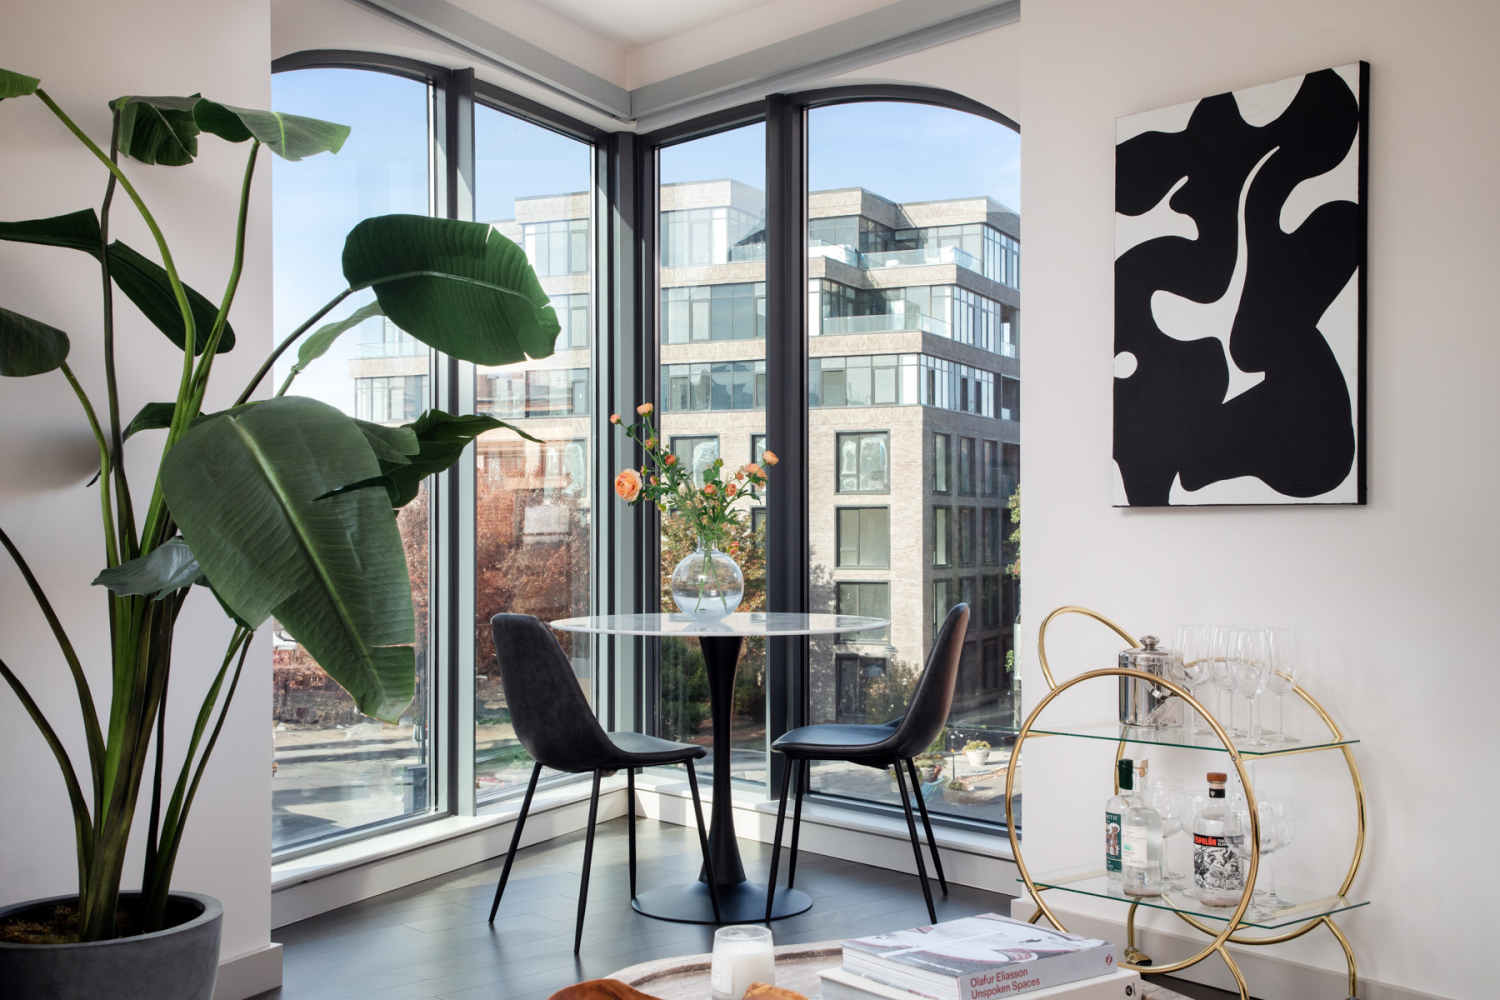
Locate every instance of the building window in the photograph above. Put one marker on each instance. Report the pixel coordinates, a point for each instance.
(942, 540)
(716, 235)
(559, 247)
(696, 452)
(758, 523)
(718, 385)
(538, 392)
(966, 536)
(951, 386)
(989, 519)
(854, 675)
(757, 448)
(864, 537)
(941, 462)
(989, 604)
(989, 664)
(871, 600)
(573, 316)
(989, 471)
(1010, 469)
(869, 380)
(1010, 398)
(966, 479)
(695, 313)
(942, 600)
(864, 463)
(390, 399)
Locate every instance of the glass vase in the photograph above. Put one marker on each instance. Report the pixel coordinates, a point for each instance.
(708, 584)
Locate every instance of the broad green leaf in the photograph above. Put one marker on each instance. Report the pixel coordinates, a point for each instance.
(16, 85)
(168, 567)
(290, 137)
(28, 346)
(393, 445)
(153, 416)
(158, 129)
(441, 438)
(317, 343)
(142, 280)
(460, 287)
(242, 486)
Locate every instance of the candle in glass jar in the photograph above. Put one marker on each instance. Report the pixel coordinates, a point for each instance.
(742, 955)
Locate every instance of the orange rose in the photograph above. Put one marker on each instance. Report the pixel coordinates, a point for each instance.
(751, 469)
(670, 460)
(614, 418)
(654, 480)
(709, 490)
(650, 442)
(628, 485)
(644, 409)
(769, 457)
(731, 490)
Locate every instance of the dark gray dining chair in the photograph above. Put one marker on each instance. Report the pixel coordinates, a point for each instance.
(891, 744)
(556, 726)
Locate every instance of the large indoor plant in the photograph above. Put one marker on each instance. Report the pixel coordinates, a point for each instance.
(280, 507)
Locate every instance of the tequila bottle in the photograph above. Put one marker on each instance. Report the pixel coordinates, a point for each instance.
(1115, 809)
(1217, 878)
(1141, 844)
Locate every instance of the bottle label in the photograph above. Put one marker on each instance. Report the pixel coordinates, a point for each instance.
(1134, 847)
(1112, 842)
(1215, 865)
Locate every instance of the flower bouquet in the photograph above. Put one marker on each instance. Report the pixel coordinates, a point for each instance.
(708, 584)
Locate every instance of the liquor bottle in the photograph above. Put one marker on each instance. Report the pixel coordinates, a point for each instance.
(1216, 869)
(1115, 809)
(1141, 845)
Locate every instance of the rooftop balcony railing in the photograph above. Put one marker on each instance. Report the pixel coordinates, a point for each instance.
(403, 348)
(919, 258)
(886, 323)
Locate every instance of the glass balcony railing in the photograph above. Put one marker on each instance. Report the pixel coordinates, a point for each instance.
(404, 348)
(1008, 350)
(918, 258)
(833, 251)
(747, 251)
(887, 323)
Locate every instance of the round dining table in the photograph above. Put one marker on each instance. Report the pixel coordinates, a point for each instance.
(740, 900)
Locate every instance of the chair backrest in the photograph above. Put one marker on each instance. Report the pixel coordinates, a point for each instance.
(551, 716)
(927, 713)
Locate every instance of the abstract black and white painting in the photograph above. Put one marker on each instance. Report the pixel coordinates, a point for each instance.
(1239, 296)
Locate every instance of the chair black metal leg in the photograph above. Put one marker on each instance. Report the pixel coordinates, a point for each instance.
(630, 797)
(911, 828)
(588, 860)
(802, 778)
(515, 840)
(708, 864)
(786, 782)
(937, 862)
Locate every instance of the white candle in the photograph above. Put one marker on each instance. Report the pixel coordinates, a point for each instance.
(742, 955)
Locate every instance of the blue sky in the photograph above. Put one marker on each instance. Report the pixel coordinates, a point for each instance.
(904, 152)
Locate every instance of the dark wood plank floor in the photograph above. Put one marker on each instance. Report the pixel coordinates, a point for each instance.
(430, 941)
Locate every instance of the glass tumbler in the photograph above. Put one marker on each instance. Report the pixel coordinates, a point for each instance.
(743, 954)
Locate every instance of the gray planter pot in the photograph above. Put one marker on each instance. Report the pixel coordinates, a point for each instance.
(179, 963)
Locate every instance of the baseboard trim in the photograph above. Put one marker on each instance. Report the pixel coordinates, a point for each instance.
(1266, 973)
(249, 974)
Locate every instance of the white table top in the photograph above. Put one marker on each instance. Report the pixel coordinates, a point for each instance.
(745, 623)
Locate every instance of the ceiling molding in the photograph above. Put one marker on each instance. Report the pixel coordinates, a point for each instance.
(816, 56)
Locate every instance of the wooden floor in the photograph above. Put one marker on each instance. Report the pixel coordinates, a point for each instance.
(430, 940)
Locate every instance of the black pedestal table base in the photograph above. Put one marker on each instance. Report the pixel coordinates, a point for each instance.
(739, 903)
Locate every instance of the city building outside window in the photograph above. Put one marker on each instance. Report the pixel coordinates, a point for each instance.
(871, 600)
(1010, 399)
(990, 529)
(966, 536)
(990, 468)
(558, 247)
(731, 311)
(697, 452)
(966, 480)
(718, 385)
(864, 537)
(573, 316)
(390, 399)
(942, 536)
(864, 463)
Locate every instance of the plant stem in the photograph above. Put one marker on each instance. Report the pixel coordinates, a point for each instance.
(211, 347)
(291, 338)
(124, 509)
(111, 553)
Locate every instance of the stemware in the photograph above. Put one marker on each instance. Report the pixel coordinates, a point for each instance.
(1286, 831)
(1272, 829)
(1283, 676)
(1249, 665)
(1165, 795)
(1221, 672)
(1192, 670)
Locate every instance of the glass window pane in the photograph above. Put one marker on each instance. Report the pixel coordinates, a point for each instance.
(533, 531)
(337, 770)
(712, 202)
(909, 258)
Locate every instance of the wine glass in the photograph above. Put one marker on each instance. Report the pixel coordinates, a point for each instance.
(1250, 664)
(1165, 795)
(1286, 831)
(1283, 676)
(1193, 669)
(1220, 671)
(1237, 832)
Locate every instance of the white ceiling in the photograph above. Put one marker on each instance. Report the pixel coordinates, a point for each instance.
(633, 23)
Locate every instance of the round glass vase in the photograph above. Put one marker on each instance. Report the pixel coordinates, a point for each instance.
(708, 584)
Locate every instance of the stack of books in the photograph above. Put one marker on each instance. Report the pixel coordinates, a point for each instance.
(988, 957)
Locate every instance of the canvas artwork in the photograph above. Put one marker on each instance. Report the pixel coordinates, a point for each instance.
(1239, 296)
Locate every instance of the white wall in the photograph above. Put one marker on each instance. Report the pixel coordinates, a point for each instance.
(1393, 597)
(87, 52)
